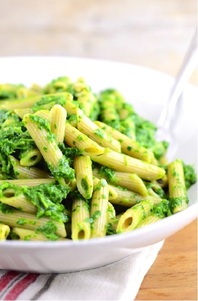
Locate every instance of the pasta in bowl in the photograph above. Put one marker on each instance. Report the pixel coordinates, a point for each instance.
(80, 167)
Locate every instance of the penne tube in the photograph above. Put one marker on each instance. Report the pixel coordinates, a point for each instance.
(127, 180)
(30, 158)
(176, 184)
(4, 231)
(29, 235)
(19, 202)
(134, 215)
(40, 131)
(150, 219)
(99, 205)
(36, 102)
(48, 147)
(112, 193)
(128, 146)
(57, 122)
(122, 162)
(80, 225)
(93, 131)
(16, 218)
(24, 172)
(74, 138)
(84, 177)
(29, 182)
(127, 198)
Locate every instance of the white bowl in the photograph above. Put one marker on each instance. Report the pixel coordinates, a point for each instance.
(147, 90)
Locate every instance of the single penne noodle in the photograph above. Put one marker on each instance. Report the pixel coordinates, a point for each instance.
(125, 163)
(128, 198)
(29, 182)
(19, 103)
(31, 157)
(19, 202)
(48, 147)
(134, 215)
(93, 131)
(23, 172)
(57, 122)
(74, 138)
(177, 189)
(29, 102)
(150, 219)
(84, 177)
(25, 220)
(128, 146)
(127, 180)
(4, 231)
(99, 205)
(30, 235)
(112, 193)
(80, 225)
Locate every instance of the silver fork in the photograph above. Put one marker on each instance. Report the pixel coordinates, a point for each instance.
(170, 112)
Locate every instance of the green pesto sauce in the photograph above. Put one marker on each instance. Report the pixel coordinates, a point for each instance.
(49, 100)
(84, 184)
(48, 200)
(6, 209)
(163, 209)
(41, 122)
(99, 133)
(62, 170)
(177, 201)
(108, 173)
(48, 230)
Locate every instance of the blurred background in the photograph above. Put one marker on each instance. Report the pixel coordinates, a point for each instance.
(153, 33)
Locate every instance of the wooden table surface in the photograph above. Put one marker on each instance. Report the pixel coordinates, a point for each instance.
(152, 33)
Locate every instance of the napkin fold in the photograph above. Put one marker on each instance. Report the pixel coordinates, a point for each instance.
(120, 280)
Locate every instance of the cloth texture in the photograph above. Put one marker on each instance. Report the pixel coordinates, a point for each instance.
(120, 280)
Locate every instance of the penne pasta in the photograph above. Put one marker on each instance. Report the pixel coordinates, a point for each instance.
(16, 218)
(30, 158)
(80, 225)
(122, 162)
(127, 180)
(74, 138)
(133, 216)
(99, 205)
(40, 132)
(84, 177)
(128, 146)
(89, 128)
(177, 188)
(57, 122)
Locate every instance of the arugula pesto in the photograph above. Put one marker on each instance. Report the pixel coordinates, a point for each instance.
(48, 200)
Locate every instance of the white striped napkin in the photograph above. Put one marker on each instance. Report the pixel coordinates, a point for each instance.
(117, 281)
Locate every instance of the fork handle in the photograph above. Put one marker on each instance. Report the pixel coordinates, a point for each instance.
(182, 78)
